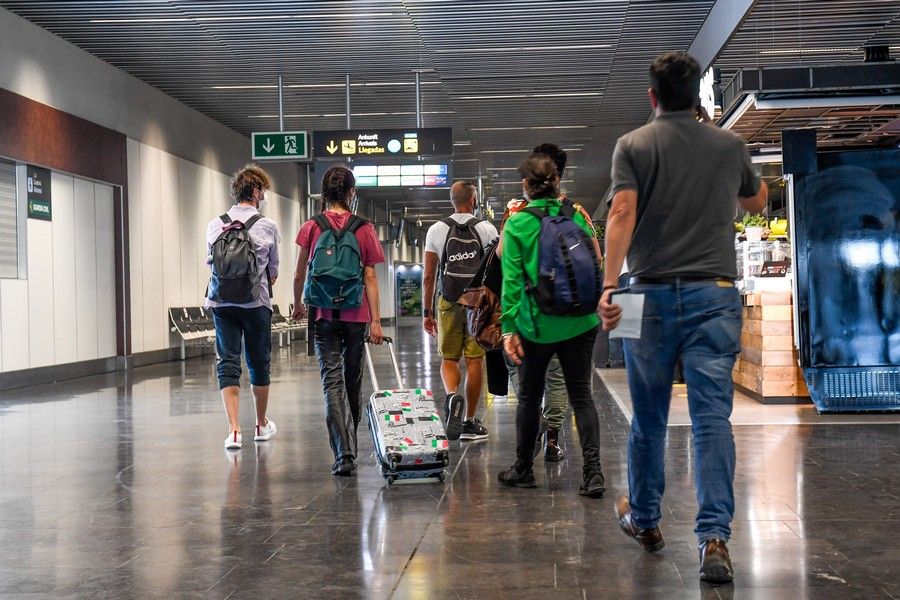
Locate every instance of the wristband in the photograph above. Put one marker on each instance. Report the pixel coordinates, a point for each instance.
(427, 313)
(609, 287)
(507, 335)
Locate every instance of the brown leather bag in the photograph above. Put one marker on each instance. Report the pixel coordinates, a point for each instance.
(483, 303)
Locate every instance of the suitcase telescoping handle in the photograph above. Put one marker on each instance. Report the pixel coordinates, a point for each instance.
(390, 344)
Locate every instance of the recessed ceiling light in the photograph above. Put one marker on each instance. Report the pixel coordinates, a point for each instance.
(538, 95)
(308, 17)
(529, 128)
(806, 50)
(272, 86)
(503, 151)
(367, 114)
(521, 48)
(462, 143)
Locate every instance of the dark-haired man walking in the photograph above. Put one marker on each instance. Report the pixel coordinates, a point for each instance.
(674, 184)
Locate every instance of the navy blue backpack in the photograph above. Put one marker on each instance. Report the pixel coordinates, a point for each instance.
(569, 278)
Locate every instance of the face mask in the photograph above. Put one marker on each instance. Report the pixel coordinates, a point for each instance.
(263, 203)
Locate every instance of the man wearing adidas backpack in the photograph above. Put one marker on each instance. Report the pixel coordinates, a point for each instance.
(242, 253)
(454, 248)
(335, 276)
(551, 286)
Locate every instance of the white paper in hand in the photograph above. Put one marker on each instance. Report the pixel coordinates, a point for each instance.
(632, 314)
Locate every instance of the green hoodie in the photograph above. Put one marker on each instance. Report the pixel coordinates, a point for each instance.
(520, 260)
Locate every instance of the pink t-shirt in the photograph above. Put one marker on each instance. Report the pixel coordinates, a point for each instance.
(369, 249)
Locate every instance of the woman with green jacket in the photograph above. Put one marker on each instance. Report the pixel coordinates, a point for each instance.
(531, 337)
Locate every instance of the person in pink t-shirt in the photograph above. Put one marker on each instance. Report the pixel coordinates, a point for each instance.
(340, 338)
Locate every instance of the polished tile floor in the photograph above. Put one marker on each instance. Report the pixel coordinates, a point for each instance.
(118, 487)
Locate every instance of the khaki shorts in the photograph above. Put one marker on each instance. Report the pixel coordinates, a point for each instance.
(454, 340)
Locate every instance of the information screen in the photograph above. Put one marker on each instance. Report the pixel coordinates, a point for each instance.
(408, 175)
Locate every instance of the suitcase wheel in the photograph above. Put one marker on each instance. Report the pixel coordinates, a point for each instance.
(390, 479)
(442, 477)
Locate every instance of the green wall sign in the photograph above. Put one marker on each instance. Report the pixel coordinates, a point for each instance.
(282, 145)
(38, 187)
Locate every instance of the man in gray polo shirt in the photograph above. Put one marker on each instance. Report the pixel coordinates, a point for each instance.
(675, 183)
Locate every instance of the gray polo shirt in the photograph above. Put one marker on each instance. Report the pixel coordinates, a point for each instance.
(688, 176)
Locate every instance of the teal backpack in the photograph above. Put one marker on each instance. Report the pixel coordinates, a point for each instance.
(335, 278)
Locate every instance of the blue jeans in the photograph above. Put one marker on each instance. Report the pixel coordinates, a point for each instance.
(250, 327)
(700, 323)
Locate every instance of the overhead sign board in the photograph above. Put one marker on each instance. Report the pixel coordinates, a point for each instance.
(38, 193)
(380, 143)
(280, 145)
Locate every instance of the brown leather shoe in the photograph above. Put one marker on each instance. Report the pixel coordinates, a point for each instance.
(650, 540)
(715, 563)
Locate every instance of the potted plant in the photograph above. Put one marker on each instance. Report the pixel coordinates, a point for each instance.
(754, 225)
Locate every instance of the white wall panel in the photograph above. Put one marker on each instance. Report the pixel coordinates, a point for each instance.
(65, 333)
(38, 312)
(171, 245)
(206, 210)
(189, 216)
(106, 271)
(85, 271)
(14, 319)
(154, 312)
(134, 245)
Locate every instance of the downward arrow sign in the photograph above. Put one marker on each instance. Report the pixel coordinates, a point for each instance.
(268, 146)
(332, 147)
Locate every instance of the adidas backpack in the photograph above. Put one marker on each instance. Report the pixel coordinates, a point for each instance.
(335, 278)
(461, 259)
(235, 274)
(569, 278)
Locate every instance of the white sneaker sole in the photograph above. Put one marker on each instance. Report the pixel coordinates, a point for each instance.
(233, 446)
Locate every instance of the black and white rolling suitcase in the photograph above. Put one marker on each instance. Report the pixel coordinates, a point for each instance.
(409, 437)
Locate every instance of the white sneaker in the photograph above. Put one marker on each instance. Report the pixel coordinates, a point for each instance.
(265, 432)
(233, 441)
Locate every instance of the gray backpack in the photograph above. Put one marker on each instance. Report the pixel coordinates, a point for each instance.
(461, 259)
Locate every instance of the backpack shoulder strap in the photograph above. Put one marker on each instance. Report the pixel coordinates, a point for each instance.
(472, 222)
(252, 221)
(449, 222)
(225, 218)
(534, 211)
(354, 223)
(567, 209)
(323, 222)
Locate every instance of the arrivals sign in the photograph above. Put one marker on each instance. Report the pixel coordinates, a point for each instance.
(379, 143)
(280, 145)
(38, 192)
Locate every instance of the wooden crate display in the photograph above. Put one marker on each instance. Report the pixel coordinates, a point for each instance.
(767, 365)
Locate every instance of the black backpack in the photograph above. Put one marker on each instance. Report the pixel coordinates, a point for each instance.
(461, 259)
(235, 274)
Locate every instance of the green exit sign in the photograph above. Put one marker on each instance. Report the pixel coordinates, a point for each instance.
(280, 145)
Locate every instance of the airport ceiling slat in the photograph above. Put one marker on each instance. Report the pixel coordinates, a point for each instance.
(488, 63)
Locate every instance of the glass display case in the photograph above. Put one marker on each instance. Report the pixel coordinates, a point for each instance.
(751, 256)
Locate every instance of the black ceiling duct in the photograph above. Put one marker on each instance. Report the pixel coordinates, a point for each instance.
(877, 53)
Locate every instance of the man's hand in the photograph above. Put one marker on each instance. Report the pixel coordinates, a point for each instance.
(375, 334)
(430, 326)
(273, 280)
(609, 313)
(299, 311)
(512, 345)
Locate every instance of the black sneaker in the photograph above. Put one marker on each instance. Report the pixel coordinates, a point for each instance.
(456, 405)
(552, 451)
(594, 485)
(472, 429)
(539, 441)
(518, 476)
(343, 466)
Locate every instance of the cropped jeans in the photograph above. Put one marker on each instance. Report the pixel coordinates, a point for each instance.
(700, 323)
(339, 348)
(247, 327)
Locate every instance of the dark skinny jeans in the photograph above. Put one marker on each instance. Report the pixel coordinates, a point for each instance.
(575, 356)
(339, 347)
